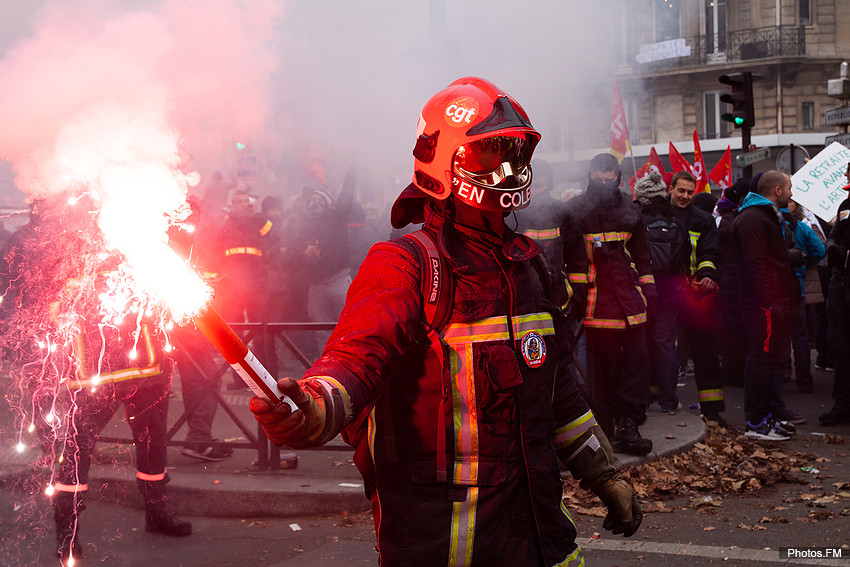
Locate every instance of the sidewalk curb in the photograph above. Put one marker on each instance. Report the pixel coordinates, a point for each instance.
(324, 482)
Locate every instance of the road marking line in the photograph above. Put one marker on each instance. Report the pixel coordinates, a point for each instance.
(690, 550)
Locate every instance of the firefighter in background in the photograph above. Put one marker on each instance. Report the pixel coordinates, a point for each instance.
(241, 259)
(613, 277)
(114, 363)
(467, 420)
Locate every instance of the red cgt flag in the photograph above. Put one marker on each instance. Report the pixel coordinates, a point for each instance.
(653, 163)
(678, 162)
(698, 168)
(722, 172)
(619, 129)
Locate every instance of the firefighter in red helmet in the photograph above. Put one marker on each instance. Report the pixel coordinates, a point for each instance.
(448, 370)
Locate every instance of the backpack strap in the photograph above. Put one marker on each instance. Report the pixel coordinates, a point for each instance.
(437, 284)
(438, 298)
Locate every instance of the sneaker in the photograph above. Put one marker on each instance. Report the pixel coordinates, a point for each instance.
(208, 453)
(785, 427)
(673, 411)
(826, 366)
(835, 416)
(766, 431)
(714, 417)
(791, 417)
(627, 439)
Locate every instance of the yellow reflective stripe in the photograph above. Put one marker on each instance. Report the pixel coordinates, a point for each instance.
(149, 348)
(570, 432)
(566, 512)
(577, 278)
(543, 234)
(605, 323)
(648, 279)
(496, 329)
(463, 529)
(243, 250)
(607, 236)
(537, 322)
(574, 559)
(711, 395)
(464, 417)
(694, 236)
(637, 319)
(490, 329)
(264, 230)
(334, 384)
(706, 264)
(117, 376)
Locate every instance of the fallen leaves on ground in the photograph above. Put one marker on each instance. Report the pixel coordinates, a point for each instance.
(723, 463)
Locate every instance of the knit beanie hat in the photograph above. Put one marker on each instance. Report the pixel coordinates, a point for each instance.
(649, 186)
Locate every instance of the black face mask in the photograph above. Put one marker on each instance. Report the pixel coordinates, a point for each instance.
(594, 186)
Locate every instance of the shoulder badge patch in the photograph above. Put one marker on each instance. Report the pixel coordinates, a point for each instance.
(533, 349)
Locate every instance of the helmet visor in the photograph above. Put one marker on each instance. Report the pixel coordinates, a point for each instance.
(500, 161)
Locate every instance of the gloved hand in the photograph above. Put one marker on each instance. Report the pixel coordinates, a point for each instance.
(833, 256)
(797, 257)
(299, 429)
(624, 513)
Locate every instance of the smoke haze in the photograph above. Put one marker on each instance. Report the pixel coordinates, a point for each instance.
(311, 88)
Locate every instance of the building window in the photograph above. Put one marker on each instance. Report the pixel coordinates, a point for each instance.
(715, 26)
(805, 12)
(807, 115)
(666, 20)
(714, 126)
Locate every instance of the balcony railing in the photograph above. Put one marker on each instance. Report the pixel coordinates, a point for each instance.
(733, 46)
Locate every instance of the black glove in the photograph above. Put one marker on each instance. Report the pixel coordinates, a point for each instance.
(797, 257)
(833, 256)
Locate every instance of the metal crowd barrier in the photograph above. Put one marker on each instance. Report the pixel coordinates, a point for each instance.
(268, 455)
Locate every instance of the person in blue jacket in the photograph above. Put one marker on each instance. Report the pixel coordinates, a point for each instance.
(806, 240)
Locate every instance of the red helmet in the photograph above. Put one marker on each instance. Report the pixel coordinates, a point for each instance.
(475, 141)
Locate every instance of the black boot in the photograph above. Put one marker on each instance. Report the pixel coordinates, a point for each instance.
(66, 512)
(158, 517)
(627, 439)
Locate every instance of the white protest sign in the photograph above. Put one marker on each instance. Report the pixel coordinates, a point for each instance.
(817, 185)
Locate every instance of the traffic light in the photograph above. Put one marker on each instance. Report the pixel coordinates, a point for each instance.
(741, 99)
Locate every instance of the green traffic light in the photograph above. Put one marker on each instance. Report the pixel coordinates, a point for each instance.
(240, 146)
(739, 121)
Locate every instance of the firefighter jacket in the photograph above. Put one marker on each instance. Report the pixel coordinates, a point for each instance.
(705, 242)
(615, 266)
(462, 422)
(541, 221)
(109, 350)
(242, 249)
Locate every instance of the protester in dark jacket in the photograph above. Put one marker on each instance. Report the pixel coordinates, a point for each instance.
(732, 334)
(670, 251)
(768, 291)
